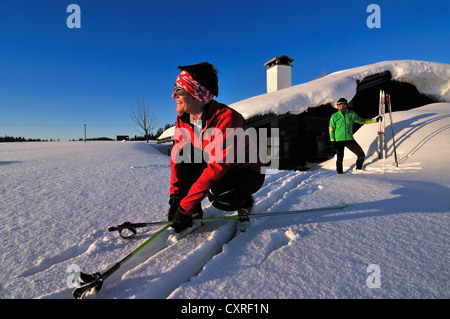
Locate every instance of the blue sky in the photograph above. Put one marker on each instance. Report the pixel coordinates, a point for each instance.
(54, 79)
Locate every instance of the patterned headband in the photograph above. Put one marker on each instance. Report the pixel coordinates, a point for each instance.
(198, 92)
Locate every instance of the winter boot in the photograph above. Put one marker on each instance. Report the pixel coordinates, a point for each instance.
(244, 212)
(339, 168)
(359, 163)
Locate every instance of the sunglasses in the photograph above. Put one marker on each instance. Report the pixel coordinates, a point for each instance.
(342, 103)
(178, 90)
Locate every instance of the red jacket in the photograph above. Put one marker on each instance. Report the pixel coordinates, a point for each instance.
(216, 118)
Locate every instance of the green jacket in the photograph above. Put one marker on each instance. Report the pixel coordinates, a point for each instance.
(341, 125)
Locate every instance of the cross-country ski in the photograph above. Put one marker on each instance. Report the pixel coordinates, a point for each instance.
(382, 126)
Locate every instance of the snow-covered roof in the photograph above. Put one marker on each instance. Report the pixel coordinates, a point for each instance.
(167, 135)
(430, 78)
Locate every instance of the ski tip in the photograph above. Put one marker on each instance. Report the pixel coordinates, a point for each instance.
(347, 205)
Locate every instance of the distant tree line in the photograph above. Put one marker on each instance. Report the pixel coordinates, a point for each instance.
(7, 138)
(95, 139)
(151, 136)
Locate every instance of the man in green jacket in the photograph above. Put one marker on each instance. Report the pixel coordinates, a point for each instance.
(341, 133)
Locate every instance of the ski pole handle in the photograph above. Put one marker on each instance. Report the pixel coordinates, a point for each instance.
(132, 228)
(127, 225)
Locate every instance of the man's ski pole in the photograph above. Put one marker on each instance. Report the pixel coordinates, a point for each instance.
(392, 129)
(95, 280)
(132, 227)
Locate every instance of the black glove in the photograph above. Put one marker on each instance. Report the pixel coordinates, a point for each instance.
(181, 221)
(379, 118)
(173, 202)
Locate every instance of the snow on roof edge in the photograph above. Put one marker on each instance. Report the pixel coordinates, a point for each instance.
(430, 78)
(169, 133)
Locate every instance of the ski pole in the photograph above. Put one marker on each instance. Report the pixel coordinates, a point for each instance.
(95, 280)
(132, 227)
(392, 129)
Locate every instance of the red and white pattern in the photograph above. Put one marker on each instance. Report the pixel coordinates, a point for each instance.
(198, 92)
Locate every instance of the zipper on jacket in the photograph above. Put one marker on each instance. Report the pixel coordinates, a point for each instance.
(345, 126)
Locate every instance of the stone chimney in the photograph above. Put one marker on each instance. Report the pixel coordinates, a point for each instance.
(279, 73)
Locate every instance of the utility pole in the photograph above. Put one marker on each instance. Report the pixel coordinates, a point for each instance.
(85, 133)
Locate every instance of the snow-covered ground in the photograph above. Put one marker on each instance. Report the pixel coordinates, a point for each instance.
(58, 199)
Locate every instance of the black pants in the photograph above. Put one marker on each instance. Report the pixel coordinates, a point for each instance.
(231, 193)
(353, 146)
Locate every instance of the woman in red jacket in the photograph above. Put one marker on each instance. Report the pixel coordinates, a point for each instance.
(211, 155)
